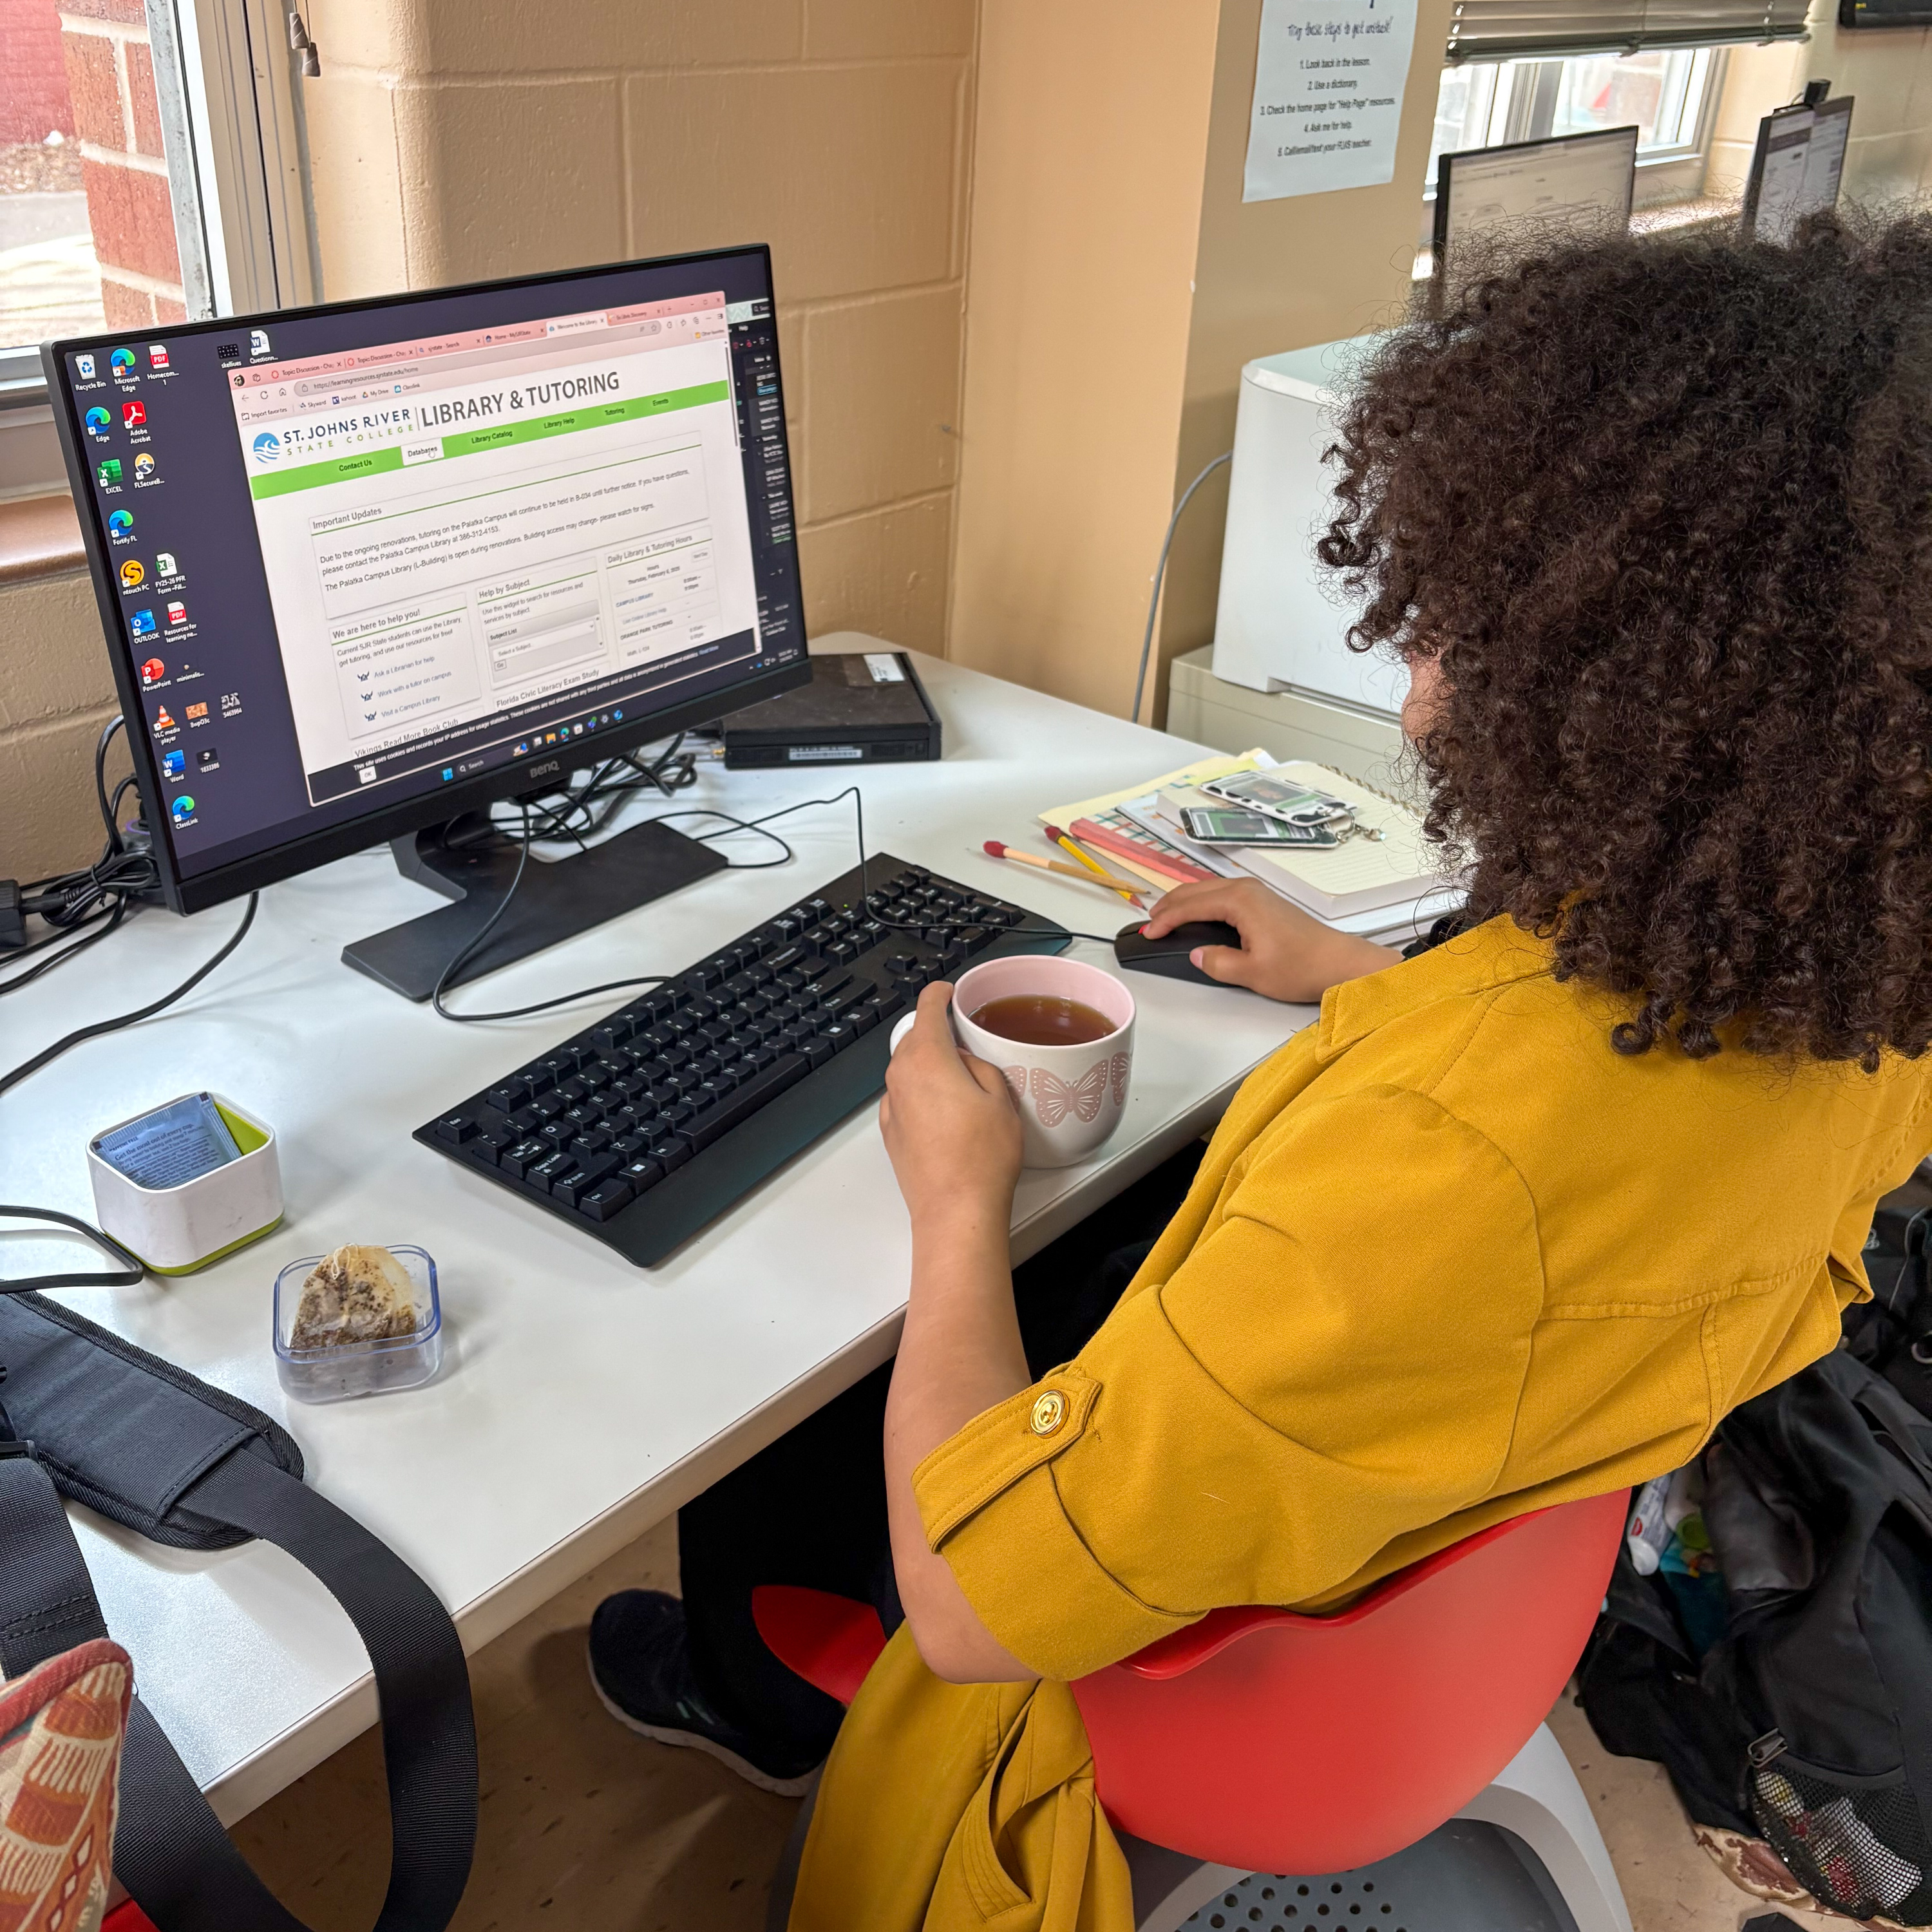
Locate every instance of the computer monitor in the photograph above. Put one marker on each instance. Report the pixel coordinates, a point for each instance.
(367, 568)
(1514, 199)
(1796, 166)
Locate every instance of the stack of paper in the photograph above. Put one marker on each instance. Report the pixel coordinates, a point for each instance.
(1385, 888)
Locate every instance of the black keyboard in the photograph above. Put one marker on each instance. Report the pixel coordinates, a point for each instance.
(642, 1128)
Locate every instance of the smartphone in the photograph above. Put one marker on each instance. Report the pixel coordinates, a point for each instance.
(1217, 826)
(1292, 804)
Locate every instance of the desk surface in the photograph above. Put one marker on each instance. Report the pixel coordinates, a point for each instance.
(581, 1399)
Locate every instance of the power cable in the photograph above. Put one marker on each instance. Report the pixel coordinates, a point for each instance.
(1160, 573)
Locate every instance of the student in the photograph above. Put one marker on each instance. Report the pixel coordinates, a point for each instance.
(1522, 1216)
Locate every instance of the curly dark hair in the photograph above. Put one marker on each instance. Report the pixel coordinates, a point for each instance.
(1661, 509)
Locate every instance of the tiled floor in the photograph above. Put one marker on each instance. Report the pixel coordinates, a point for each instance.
(585, 1826)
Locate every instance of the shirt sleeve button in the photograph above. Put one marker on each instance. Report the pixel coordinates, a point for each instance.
(1049, 1411)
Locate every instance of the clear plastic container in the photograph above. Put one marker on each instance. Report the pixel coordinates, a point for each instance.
(337, 1372)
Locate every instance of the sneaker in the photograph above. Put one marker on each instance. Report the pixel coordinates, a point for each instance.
(640, 1670)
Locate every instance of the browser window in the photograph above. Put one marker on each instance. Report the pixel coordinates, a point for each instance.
(459, 528)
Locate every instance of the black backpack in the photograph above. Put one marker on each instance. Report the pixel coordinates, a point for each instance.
(1808, 1723)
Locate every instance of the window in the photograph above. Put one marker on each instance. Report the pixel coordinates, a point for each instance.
(1669, 93)
(148, 174)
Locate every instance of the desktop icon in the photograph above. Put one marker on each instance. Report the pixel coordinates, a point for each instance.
(120, 522)
(182, 809)
(258, 343)
(197, 711)
(152, 669)
(132, 575)
(108, 470)
(142, 623)
(83, 367)
(165, 564)
(98, 421)
(162, 722)
(226, 352)
(133, 415)
(177, 612)
(174, 764)
(144, 467)
(267, 446)
(208, 759)
(158, 356)
(120, 359)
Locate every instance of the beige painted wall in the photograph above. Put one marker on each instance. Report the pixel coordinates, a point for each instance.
(57, 694)
(456, 140)
(1888, 69)
(1116, 284)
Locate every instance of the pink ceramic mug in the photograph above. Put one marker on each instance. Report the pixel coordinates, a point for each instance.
(1069, 1098)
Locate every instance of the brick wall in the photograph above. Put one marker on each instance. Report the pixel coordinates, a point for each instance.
(110, 79)
(33, 78)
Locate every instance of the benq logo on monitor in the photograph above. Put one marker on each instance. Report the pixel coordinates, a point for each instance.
(548, 765)
(267, 446)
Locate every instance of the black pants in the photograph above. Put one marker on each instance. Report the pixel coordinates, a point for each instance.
(810, 1510)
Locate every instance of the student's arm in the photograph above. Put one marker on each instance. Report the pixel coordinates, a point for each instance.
(954, 1139)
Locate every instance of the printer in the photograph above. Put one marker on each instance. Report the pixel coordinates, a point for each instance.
(1283, 615)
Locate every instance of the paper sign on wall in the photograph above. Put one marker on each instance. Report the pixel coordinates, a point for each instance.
(1329, 76)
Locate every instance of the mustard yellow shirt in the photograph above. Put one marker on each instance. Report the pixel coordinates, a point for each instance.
(1448, 1258)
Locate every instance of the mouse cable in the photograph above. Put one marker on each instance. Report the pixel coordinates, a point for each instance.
(100, 1026)
(734, 824)
(1160, 573)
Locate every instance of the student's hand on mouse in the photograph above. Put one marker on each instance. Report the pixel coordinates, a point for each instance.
(948, 1122)
(1285, 953)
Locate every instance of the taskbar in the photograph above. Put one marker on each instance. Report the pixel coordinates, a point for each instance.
(625, 698)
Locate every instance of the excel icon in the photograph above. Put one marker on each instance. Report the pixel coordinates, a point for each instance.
(109, 471)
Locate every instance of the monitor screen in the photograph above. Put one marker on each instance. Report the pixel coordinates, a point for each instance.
(365, 565)
(1796, 167)
(1516, 198)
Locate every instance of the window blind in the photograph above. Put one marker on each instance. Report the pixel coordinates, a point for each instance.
(1548, 29)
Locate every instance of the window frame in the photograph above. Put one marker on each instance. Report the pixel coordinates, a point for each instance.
(1665, 174)
(235, 140)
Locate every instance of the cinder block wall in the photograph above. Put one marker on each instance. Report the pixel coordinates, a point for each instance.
(493, 137)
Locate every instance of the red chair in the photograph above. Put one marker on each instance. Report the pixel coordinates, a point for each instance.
(1257, 1740)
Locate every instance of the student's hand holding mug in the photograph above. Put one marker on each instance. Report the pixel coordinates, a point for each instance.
(948, 1120)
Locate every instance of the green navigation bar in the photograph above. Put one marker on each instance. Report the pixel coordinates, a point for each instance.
(594, 415)
(470, 443)
(313, 475)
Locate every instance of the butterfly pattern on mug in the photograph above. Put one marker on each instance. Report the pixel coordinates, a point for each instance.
(1120, 1065)
(1053, 1099)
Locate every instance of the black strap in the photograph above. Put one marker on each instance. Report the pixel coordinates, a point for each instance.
(170, 1850)
(130, 1271)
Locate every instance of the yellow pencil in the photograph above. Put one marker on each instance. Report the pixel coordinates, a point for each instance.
(1067, 844)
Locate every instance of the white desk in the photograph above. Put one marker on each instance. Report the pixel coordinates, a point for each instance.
(582, 1400)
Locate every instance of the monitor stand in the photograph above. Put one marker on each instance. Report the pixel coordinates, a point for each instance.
(468, 860)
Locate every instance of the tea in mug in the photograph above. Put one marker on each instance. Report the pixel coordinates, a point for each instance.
(1043, 1019)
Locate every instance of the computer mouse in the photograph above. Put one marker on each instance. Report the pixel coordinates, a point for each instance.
(1167, 955)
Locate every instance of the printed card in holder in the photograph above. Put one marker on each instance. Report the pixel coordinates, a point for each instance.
(180, 1141)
